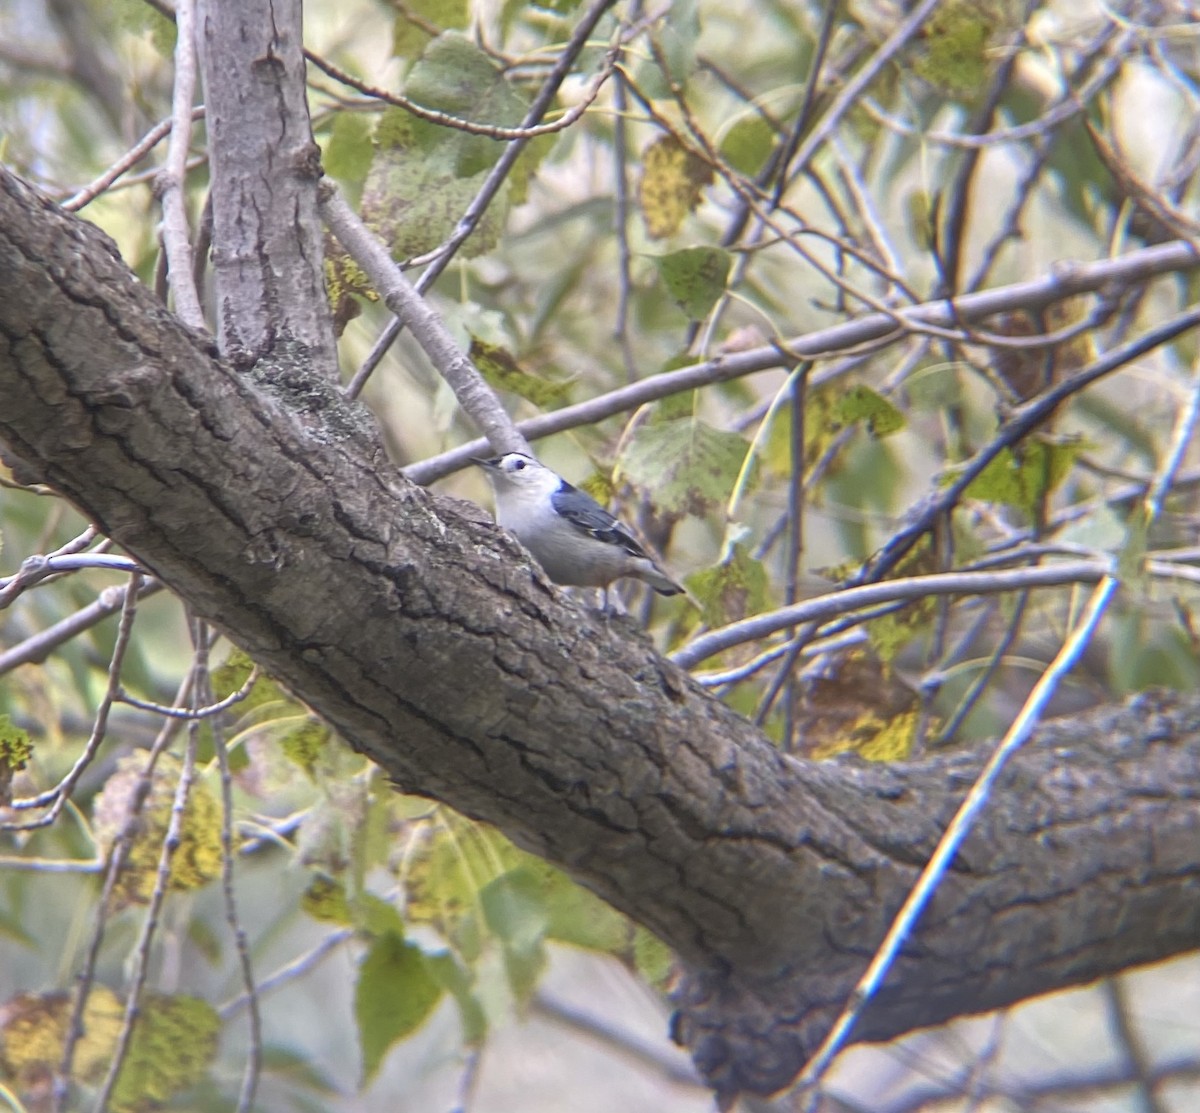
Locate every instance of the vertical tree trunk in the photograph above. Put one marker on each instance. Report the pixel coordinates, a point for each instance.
(268, 255)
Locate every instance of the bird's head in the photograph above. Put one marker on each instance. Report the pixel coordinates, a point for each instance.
(514, 472)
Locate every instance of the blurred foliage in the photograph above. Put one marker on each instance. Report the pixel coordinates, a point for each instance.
(758, 489)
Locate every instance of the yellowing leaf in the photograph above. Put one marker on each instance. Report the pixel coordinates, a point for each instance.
(197, 859)
(672, 180)
(325, 900)
(861, 707)
(734, 589)
(695, 277)
(32, 1036)
(874, 738)
(453, 861)
(306, 744)
(502, 371)
(955, 41)
(174, 1043)
(687, 465)
(15, 750)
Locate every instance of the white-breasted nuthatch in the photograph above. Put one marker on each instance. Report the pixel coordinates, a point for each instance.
(575, 540)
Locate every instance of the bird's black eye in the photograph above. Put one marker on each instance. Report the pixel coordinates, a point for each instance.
(518, 465)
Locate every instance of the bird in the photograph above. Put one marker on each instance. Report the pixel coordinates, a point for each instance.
(576, 541)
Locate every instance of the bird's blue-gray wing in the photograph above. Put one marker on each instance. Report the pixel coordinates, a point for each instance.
(587, 515)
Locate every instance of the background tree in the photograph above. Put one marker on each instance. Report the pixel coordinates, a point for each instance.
(797, 298)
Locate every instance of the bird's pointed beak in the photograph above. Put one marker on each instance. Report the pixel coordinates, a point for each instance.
(491, 464)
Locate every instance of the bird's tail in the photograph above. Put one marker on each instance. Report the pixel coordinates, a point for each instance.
(658, 579)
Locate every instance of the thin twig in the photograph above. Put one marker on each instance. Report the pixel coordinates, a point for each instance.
(446, 119)
(39, 646)
(477, 399)
(908, 588)
(185, 713)
(1061, 282)
(116, 861)
(175, 235)
(55, 799)
(141, 951)
(851, 92)
(297, 968)
(88, 193)
(491, 185)
(36, 569)
(1141, 1065)
(253, 1068)
(960, 826)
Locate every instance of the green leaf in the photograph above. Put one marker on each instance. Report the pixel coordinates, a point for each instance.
(297, 1069)
(955, 56)
(136, 17)
(861, 403)
(695, 277)
(652, 957)
(577, 916)
(1023, 477)
(454, 76)
(394, 996)
(502, 372)
(677, 39)
(457, 981)
(688, 465)
(409, 34)
(748, 143)
(675, 406)
(348, 153)
(425, 174)
(374, 839)
(513, 910)
(1131, 564)
(375, 916)
(16, 748)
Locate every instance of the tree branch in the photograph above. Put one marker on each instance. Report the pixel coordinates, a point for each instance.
(1065, 280)
(420, 632)
(478, 400)
(265, 168)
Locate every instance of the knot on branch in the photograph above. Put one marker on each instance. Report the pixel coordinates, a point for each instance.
(741, 1038)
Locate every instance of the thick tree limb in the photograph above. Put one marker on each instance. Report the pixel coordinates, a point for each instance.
(268, 247)
(423, 634)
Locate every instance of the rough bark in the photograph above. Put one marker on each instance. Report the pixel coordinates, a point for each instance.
(267, 246)
(423, 634)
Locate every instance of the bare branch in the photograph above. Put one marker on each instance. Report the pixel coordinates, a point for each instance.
(175, 234)
(478, 400)
(838, 603)
(1064, 281)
